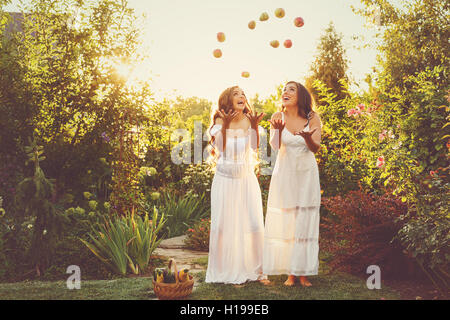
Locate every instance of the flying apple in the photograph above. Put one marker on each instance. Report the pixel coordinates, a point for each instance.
(252, 24)
(299, 22)
(217, 53)
(274, 43)
(279, 13)
(264, 16)
(221, 36)
(245, 74)
(287, 43)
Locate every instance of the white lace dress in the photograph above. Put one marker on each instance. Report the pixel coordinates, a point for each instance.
(237, 226)
(291, 243)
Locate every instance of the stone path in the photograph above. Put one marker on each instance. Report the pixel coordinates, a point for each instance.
(174, 248)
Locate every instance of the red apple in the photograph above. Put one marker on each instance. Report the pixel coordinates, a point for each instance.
(221, 37)
(287, 43)
(217, 53)
(252, 24)
(274, 43)
(245, 74)
(279, 13)
(264, 16)
(299, 22)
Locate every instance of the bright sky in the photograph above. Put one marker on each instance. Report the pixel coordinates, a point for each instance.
(181, 36)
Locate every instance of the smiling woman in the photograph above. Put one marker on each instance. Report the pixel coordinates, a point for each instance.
(236, 236)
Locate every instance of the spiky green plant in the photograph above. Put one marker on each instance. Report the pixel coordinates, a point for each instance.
(126, 241)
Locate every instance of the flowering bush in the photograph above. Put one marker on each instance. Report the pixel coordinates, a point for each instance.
(358, 230)
(198, 178)
(198, 236)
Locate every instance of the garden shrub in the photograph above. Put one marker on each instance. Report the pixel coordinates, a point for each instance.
(182, 212)
(359, 232)
(198, 236)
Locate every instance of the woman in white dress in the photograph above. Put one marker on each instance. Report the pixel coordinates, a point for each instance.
(292, 220)
(237, 226)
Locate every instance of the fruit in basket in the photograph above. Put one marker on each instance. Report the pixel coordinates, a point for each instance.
(183, 275)
(169, 276)
(158, 275)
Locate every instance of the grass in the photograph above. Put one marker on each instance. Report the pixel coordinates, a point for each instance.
(326, 286)
(336, 286)
(118, 289)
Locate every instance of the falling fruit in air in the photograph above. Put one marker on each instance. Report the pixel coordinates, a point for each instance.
(245, 74)
(217, 53)
(252, 24)
(299, 22)
(274, 43)
(264, 16)
(287, 43)
(279, 13)
(221, 37)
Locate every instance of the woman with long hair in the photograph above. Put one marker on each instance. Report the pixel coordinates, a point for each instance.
(292, 219)
(237, 227)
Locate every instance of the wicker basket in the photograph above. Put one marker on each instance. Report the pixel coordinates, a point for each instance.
(173, 291)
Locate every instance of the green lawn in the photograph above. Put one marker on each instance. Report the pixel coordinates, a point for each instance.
(325, 286)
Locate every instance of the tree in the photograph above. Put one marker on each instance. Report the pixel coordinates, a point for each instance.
(34, 196)
(330, 65)
(60, 76)
(414, 38)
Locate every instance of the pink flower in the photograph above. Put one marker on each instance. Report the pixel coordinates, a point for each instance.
(382, 135)
(380, 161)
(351, 112)
(191, 230)
(432, 173)
(361, 106)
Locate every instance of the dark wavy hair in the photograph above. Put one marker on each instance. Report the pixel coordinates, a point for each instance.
(304, 102)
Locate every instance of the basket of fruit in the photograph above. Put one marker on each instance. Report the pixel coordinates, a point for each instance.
(169, 285)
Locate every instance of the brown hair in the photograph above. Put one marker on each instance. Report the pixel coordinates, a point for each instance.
(304, 102)
(225, 104)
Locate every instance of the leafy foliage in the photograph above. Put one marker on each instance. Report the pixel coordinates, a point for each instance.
(198, 236)
(127, 241)
(34, 195)
(330, 65)
(182, 212)
(359, 230)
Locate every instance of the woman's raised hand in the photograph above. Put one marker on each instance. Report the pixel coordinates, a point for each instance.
(254, 118)
(227, 117)
(277, 124)
(305, 134)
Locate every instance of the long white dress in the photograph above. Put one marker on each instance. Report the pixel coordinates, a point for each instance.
(237, 223)
(291, 243)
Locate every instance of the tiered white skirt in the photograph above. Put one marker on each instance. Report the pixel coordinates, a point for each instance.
(237, 227)
(291, 238)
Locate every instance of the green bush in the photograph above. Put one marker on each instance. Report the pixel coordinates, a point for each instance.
(198, 236)
(182, 212)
